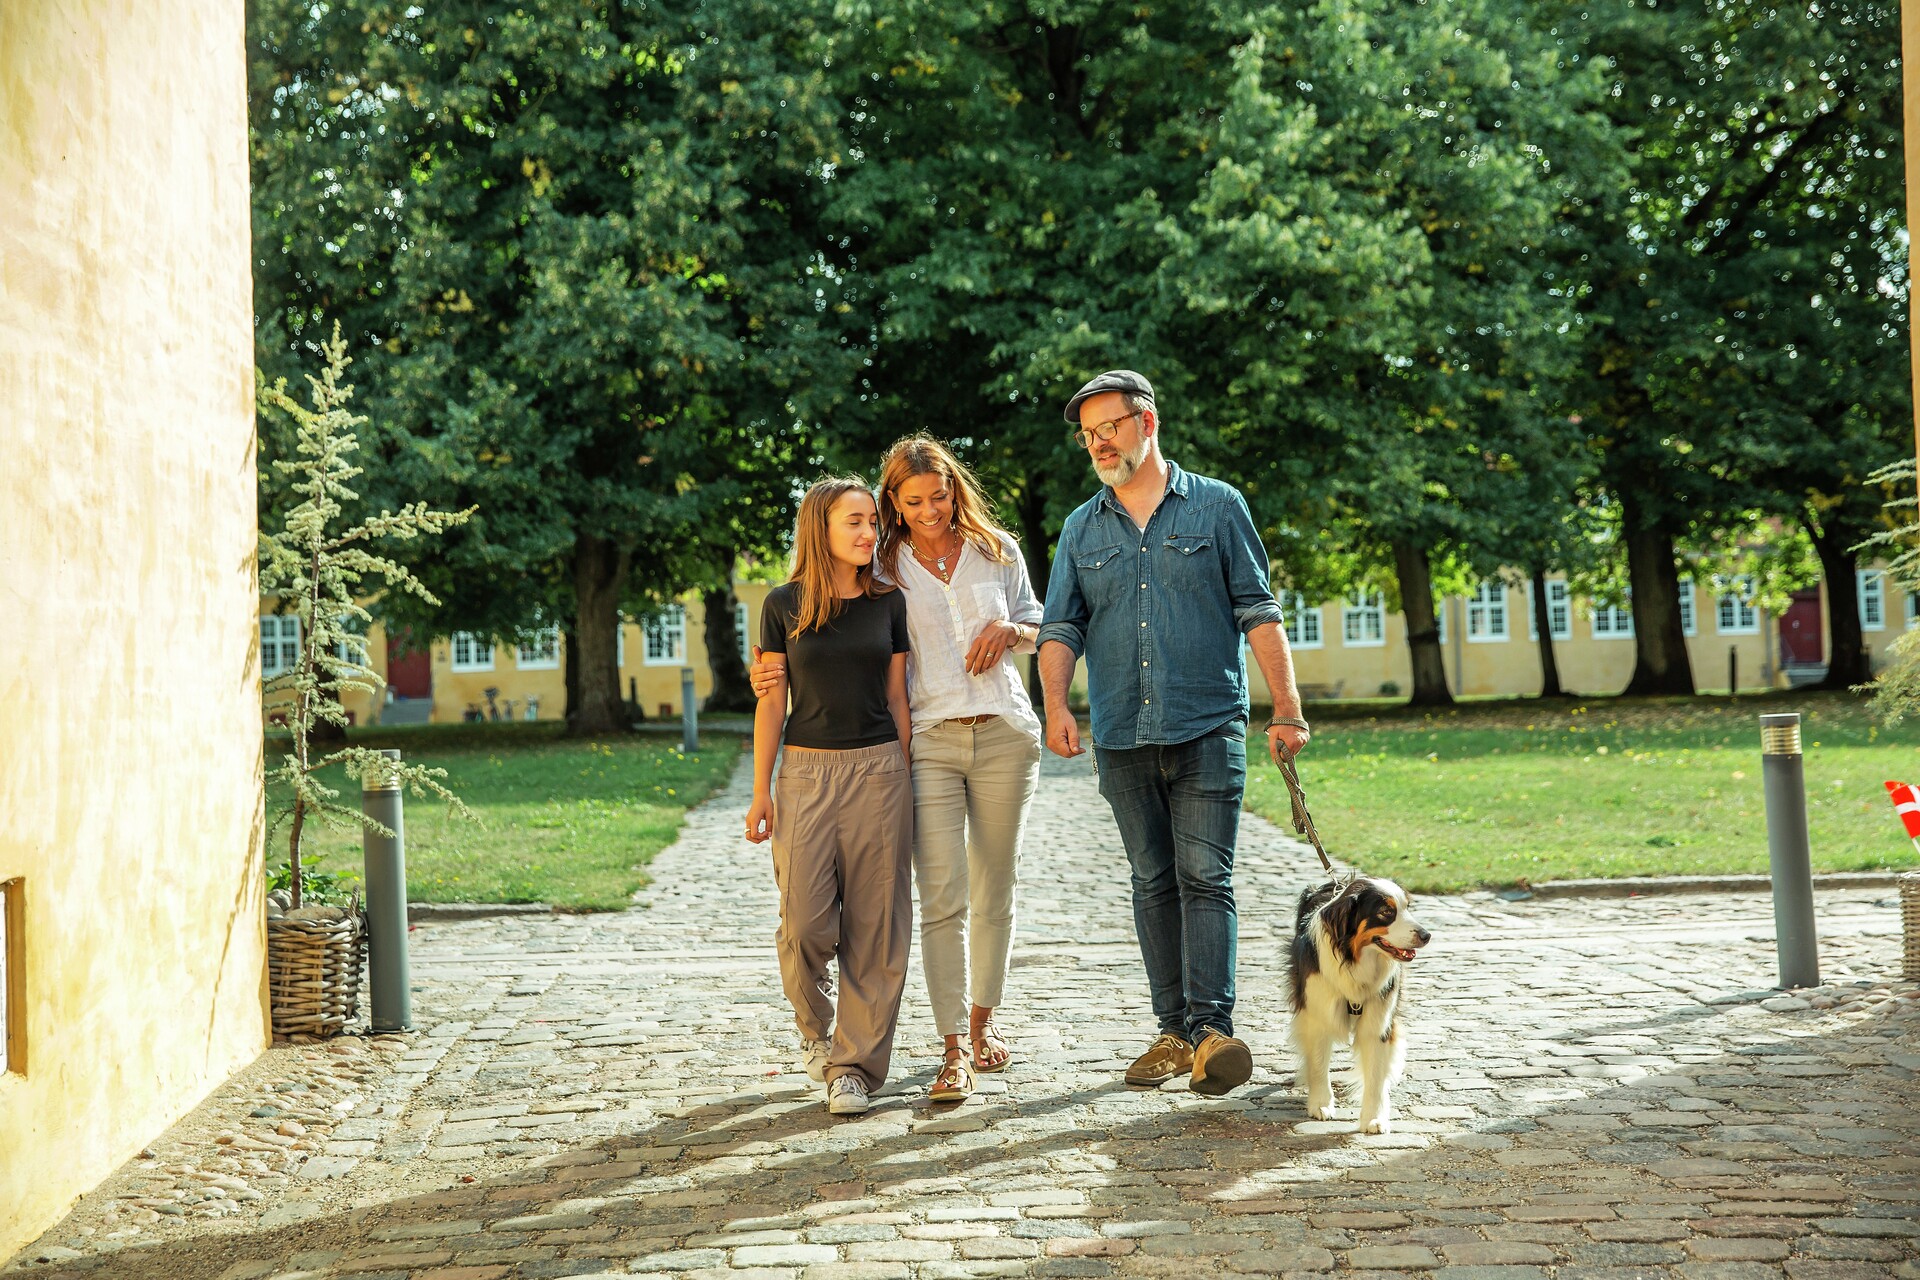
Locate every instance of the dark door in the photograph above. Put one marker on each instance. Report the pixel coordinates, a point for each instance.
(1800, 631)
(409, 672)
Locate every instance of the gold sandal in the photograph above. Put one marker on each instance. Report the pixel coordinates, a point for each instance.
(988, 1037)
(954, 1083)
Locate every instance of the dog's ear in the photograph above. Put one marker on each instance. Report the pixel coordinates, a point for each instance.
(1340, 914)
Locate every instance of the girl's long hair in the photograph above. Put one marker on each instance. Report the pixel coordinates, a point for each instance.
(813, 561)
(921, 455)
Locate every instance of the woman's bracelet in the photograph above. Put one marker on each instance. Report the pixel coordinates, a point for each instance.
(1289, 721)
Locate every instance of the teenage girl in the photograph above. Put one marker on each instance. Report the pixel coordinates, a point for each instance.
(841, 818)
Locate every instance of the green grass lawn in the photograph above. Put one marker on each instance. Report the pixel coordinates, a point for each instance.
(568, 822)
(1506, 793)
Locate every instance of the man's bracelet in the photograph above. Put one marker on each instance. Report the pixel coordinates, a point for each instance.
(1289, 721)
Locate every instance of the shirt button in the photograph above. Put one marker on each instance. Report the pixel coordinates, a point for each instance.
(1143, 624)
(1143, 586)
(1145, 701)
(1143, 664)
(1143, 549)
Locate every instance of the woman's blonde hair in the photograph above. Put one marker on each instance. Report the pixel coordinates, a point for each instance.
(813, 559)
(921, 455)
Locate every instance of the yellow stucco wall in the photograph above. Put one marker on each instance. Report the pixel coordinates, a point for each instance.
(130, 752)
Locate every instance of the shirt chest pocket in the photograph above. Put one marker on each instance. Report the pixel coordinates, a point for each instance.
(1189, 561)
(1102, 575)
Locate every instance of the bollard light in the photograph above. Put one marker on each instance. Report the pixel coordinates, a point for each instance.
(385, 858)
(1788, 855)
(689, 714)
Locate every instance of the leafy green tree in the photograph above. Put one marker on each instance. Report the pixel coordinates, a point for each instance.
(1739, 284)
(576, 235)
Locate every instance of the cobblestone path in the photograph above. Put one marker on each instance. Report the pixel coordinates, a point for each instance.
(1597, 1090)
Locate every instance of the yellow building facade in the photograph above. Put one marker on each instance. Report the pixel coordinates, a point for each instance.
(468, 677)
(132, 932)
(1343, 649)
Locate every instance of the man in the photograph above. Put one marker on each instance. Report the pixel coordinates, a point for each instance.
(1155, 580)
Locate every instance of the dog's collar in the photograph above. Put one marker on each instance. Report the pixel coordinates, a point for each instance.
(1353, 1009)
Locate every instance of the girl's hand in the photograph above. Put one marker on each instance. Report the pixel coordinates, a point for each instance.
(760, 820)
(990, 645)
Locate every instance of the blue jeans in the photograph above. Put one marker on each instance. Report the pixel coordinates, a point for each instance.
(1178, 808)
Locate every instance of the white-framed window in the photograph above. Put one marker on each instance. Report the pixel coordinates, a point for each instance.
(1611, 623)
(1873, 599)
(1487, 613)
(740, 631)
(1689, 621)
(621, 622)
(667, 637)
(472, 651)
(1913, 609)
(1559, 611)
(1737, 614)
(1301, 621)
(540, 651)
(1363, 619)
(279, 644)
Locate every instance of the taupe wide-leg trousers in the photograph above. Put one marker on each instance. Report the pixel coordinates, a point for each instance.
(842, 856)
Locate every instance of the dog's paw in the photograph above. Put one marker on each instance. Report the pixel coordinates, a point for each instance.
(1320, 1110)
(1378, 1124)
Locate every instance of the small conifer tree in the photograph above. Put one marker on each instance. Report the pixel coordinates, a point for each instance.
(1896, 694)
(316, 569)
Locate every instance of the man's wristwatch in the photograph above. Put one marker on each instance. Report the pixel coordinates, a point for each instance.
(1289, 721)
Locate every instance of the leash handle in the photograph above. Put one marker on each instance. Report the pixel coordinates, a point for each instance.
(1302, 820)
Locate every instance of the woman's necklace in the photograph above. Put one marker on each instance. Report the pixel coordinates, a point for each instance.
(940, 562)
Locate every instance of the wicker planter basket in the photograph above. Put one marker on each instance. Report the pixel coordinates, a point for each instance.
(313, 973)
(1910, 926)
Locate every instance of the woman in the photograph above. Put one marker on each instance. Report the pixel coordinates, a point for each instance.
(842, 829)
(976, 740)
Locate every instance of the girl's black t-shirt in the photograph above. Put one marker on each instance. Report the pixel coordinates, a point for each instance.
(837, 674)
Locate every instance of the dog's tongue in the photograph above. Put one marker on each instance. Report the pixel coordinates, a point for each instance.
(1402, 954)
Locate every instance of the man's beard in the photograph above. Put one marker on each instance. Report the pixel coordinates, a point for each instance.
(1121, 469)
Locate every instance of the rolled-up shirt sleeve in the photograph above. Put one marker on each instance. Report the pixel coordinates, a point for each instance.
(1248, 585)
(1066, 613)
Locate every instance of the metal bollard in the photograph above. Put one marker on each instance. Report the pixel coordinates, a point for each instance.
(385, 858)
(1733, 672)
(689, 714)
(1788, 856)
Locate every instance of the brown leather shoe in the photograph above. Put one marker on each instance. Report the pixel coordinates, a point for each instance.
(1220, 1064)
(1168, 1056)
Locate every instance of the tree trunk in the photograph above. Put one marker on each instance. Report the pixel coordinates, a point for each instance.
(599, 580)
(731, 692)
(1848, 662)
(1660, 662)
(1543, 628)
(571, 675)
(1033, 513)
(1423, 637)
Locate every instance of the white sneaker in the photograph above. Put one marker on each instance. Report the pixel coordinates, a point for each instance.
(847, 1096)
(813, 1058)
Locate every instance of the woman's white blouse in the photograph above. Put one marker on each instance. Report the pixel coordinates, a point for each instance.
(942, 620)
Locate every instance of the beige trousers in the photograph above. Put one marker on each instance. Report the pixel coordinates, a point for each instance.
(971, 785)
(842, 840)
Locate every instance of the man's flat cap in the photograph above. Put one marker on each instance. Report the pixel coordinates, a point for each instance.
(1112, 380)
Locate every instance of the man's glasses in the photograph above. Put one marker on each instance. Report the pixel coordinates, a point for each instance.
(1101, 430)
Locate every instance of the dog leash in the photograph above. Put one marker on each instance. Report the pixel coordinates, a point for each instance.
(1302, 820)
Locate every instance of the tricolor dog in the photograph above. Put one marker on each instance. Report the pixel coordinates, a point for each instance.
(1351, 939)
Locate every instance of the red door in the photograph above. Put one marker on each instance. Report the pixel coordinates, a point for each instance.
(1800, 631)
(409, 672)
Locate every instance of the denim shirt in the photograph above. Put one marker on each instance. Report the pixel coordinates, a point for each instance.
(1158, 613)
